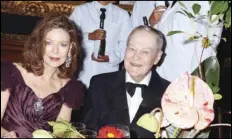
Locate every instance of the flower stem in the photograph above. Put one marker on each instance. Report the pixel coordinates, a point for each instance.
(200, 66)
(176, 131)
(192, 133)
(157, 135)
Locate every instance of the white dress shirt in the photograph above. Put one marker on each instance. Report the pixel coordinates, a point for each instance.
(144, 8)
(117, 25)
(141, 9)
(135, 101)
(184, 57)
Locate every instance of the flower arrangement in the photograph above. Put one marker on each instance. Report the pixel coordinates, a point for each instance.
(187, 104)
(208, 70)
(61, 129)
(187, 110)
(110, 132)
(214, 18)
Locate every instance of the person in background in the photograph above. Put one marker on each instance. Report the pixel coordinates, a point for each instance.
(182, 56)
(143, 9)
(117, 26)
(122, 97)
(42, 88)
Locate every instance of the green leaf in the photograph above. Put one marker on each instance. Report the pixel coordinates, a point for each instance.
(223, 38)
(228, 18)
(202, 17)
(190, 39)
(181, 13)
(216, 18)
(211, 70)
(203, 134)
(64, 122)
(196, 37)
(210, 2)
(51, 123)
(190, 15)
(174, 32)
(182, 4)
(196, 8)
(218, 7)
(199, 18)
(216, 89)
(217, 96)
(210, 85)
(67, 134)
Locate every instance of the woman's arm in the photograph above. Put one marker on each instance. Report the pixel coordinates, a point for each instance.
(4, 100)
(65, 113)
(3, 131)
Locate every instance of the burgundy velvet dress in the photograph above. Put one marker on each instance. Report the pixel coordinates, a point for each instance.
(21, 115)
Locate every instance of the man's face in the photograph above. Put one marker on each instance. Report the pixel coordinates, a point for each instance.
(141, 54)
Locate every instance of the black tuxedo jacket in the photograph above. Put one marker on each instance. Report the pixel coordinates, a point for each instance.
(107, 102)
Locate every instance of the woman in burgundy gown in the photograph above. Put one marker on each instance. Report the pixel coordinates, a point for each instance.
(42, 88)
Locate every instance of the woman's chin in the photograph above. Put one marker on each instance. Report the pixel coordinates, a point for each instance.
(54, 65)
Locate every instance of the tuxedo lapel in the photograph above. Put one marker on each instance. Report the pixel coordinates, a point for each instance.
(152, 97)
(118, 100)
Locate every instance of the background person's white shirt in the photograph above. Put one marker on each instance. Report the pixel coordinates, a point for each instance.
(144, 8)
(181, 57)
(117, 25)
(135, 101)
(141, 9)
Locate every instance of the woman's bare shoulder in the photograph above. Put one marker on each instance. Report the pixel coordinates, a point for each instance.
(20, 67)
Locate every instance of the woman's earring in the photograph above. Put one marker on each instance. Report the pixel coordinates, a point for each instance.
(68, 61)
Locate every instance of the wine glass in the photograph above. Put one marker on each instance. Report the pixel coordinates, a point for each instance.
(124, 129)
(79, 126)
(89, 133)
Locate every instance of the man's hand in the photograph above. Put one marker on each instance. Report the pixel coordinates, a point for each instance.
(101, 58)
(156, 15)
(98, 34)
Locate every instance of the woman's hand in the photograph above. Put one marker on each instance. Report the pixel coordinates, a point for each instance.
(10, 134)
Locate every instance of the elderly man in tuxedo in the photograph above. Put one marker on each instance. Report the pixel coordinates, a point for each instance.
(122, 97)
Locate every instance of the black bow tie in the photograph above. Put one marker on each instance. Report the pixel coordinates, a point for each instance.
(130, 87)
